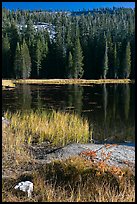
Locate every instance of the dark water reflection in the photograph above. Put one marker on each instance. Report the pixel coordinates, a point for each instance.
(109, 108)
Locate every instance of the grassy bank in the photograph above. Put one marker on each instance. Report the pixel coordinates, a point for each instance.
(8, 84)
(74, 179)
(71, 81)
(57, 127)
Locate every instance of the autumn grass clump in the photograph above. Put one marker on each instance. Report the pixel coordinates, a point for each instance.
(77, 180)
(34, 127)
(57, 127)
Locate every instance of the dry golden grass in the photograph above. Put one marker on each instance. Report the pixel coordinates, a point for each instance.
(73, 180)
(49, 193)
(58, 127)
(8, 83)
(71, 81)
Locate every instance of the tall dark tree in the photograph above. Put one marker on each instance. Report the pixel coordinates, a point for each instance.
(6, 54)
(105, 62)
(13, 39)
(70, 66)
(127, 61)
(44, 59)
(116, 62)
(26, 61)
(38, 56)
(77, 60)
(18, 62)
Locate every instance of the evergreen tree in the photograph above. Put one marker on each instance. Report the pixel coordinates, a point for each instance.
(105, 64)
(13, 39)
(116, 62)
(77, 60)
(44, 59)
(70, 66)
(18, 62)
(127, 61)
(29, 32)
(89, 27)
(110, 57)
(26, 61)
(38, 56)
(6, 54)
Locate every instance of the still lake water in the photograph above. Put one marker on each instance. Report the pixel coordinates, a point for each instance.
(110, 109)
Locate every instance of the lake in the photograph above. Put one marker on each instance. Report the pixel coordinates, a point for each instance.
(109, 108)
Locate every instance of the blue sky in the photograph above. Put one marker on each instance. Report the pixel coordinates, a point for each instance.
(65, 5)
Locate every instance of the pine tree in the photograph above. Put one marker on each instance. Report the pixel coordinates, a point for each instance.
(44, 59)
(26, 61)
(127, 61)
(38, 56)
(6, 57)
(110, 56)
(105, 64)
(29, 32)
(18, 62)
(13, 39)
(116, 64)
(78, 60)
(70, 66)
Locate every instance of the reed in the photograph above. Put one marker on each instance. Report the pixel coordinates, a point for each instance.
(57, 127)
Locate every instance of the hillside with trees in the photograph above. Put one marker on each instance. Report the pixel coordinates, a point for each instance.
(86, 44)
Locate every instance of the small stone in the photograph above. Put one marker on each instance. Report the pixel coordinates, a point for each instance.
(25, 186)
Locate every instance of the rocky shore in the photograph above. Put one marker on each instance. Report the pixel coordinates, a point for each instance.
(120, 155)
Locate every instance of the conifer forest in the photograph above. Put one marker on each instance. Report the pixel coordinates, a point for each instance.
(93, 44)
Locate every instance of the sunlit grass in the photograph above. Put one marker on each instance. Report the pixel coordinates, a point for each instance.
(58, 127)
(72, 180)
(8, 83)
(72, 81)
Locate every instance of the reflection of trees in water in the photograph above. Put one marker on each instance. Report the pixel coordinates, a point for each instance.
(75, 97)
(116, 103)
(39, 101)
(126, 93)
(22, 98)
(105, 99)
(26, 97)
(114, 118)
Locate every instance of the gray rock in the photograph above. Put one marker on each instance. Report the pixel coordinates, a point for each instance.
(25, 186)
(120, 155)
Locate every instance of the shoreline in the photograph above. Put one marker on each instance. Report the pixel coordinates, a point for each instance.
(12, 83)
(78, 164)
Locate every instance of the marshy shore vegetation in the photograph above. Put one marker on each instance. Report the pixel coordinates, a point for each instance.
(74, 179)
(8, 83)
(12, 83)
